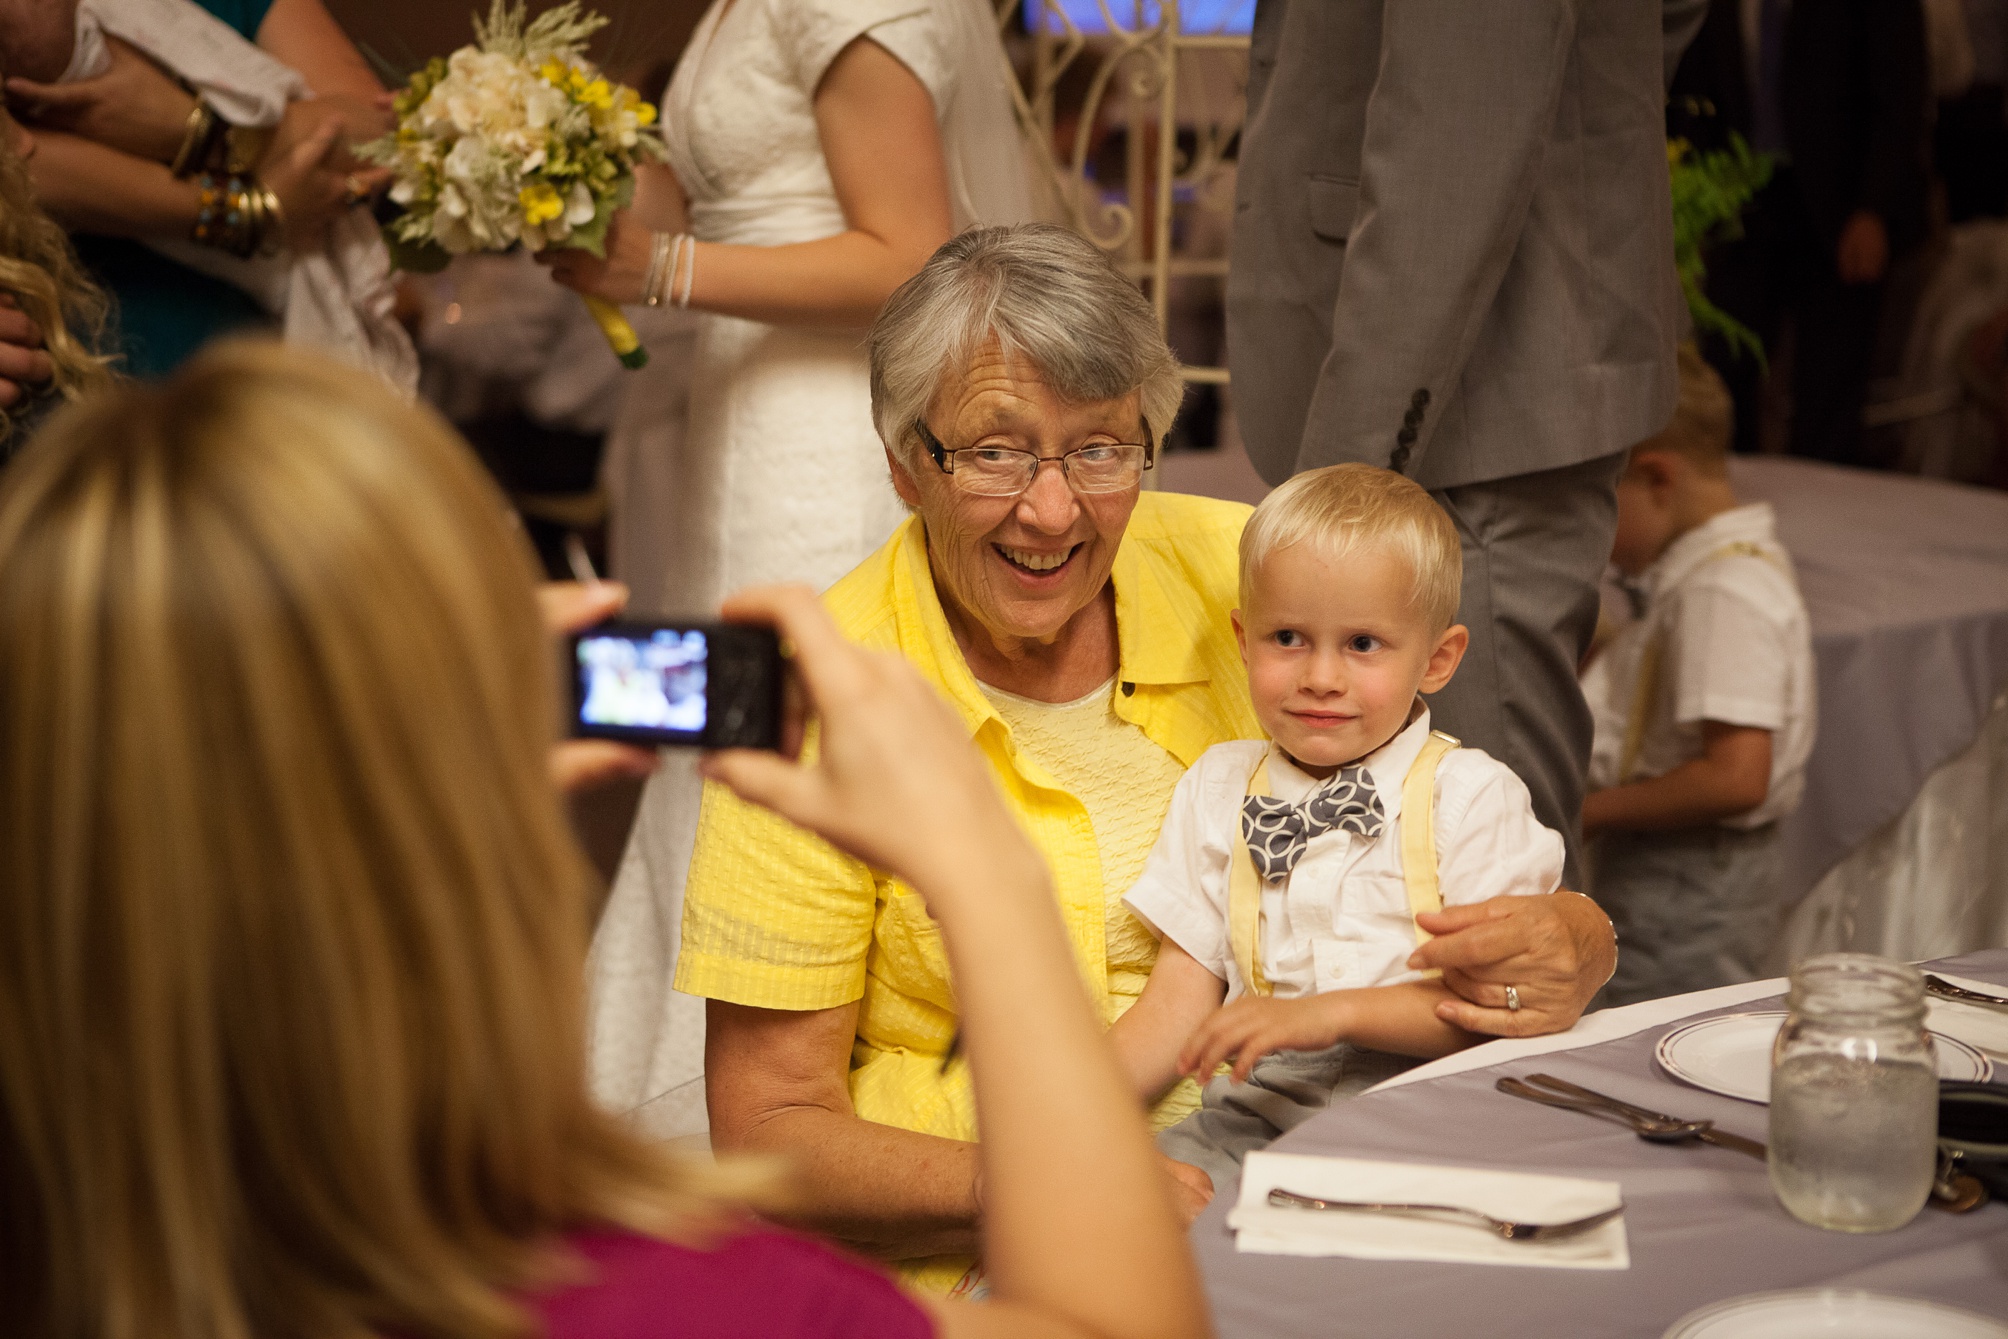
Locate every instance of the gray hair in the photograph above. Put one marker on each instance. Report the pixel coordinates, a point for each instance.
(1043, 292)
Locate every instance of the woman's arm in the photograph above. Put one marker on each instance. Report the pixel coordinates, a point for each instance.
(302, 34)
(876, 123)
(1556, 951)
(775, 1081)
(88, 187)
(1080, 1236)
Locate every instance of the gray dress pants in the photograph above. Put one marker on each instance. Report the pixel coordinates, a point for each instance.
(1283, 1091)
(1535, 547)
(1694, 908)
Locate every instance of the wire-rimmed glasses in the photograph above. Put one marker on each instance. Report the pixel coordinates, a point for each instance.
(1002, 471)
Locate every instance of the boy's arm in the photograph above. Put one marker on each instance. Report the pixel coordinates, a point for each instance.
(1179, 996)
(1732, 776)
(1399, 1019)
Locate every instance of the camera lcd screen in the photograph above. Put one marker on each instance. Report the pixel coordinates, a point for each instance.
(649, 682)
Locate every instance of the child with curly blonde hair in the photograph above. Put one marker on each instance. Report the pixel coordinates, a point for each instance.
(41, 277)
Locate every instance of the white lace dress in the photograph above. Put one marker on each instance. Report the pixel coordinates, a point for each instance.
(776, 473)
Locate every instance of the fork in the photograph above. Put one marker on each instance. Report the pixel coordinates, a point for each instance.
(1945, 990)
(1499, 1227)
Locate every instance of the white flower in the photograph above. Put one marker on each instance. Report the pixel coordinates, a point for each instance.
(579, 207)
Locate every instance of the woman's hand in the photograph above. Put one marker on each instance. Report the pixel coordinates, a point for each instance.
(895, 781)
(584, 764)
(619, 276)
(1555, 951)
(306, 174)
(134, 106)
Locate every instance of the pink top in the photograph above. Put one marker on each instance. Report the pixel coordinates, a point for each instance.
(762, 1285)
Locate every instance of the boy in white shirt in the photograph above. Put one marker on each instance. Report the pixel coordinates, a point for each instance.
(1704, 710)
(1288, 872)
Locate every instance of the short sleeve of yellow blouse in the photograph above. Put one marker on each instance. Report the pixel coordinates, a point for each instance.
(774, 917)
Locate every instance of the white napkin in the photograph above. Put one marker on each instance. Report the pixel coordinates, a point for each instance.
(1980, 1027)
(1516, 1196)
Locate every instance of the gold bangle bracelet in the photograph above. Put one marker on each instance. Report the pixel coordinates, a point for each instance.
(196, 138)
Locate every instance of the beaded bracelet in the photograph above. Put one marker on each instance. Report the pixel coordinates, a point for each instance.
(238, 215)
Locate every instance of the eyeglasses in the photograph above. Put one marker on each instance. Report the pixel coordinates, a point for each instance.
(1001, 471)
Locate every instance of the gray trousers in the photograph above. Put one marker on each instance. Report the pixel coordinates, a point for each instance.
(1535, 547)
(1284, 1090)
(1694, 908)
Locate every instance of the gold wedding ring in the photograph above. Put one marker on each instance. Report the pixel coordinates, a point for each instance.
(356, 192)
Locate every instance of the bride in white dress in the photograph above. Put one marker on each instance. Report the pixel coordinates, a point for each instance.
(821, 151)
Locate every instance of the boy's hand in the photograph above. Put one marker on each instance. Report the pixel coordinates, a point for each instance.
(1253, 1027)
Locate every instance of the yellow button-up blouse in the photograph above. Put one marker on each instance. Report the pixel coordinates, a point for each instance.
(776, 918)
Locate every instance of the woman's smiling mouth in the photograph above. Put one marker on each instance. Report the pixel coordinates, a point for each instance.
(1034, 562)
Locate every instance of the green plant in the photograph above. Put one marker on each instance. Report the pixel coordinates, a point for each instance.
(1710, 189)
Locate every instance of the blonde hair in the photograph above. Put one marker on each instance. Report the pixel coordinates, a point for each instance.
(42, 273)
(292, 927)
(1704, 417)
(1342, 508)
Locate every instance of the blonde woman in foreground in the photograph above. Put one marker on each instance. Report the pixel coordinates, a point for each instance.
(292, 930)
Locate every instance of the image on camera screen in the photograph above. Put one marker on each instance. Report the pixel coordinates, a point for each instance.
(654, 682)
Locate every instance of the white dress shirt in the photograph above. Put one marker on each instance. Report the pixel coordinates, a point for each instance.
(1341, 919)
(1736, 648)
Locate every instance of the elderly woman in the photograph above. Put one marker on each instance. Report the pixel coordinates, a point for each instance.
(1079, 626)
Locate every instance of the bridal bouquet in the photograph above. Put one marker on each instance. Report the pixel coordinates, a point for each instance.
(517, 139)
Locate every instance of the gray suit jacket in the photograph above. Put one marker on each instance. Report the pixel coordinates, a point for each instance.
(1453, 238)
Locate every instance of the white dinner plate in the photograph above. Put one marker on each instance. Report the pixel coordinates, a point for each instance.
(1828, 1314)
(1731, 1054)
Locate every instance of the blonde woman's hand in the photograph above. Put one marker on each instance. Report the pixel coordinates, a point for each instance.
(586, 764)
(134, 106)
(895, 780)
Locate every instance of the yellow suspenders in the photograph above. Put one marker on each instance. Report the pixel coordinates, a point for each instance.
(1647, 691)
(1418, 860)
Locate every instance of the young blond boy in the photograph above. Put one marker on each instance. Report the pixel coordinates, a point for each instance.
(1288, 871)
(1704, 713)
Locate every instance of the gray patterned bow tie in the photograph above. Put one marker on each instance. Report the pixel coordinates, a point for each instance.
(1278, 832)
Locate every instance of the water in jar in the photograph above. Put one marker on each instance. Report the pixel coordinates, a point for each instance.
(1853, 1141)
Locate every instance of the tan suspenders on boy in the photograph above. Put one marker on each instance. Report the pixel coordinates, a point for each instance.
(1647, 691)
(1418, 860)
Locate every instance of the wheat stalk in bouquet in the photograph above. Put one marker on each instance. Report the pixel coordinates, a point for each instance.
(516, 140)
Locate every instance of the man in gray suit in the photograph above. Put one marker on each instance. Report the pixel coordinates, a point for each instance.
(1453, 257)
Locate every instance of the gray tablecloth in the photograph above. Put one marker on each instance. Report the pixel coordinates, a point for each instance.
(1703, 1223)
(1906, 584)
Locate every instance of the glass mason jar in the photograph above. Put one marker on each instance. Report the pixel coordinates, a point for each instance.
(1854, 1095)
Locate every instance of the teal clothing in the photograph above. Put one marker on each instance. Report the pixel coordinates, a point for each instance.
(165, 311)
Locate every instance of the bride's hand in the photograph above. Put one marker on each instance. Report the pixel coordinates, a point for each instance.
(619, 276)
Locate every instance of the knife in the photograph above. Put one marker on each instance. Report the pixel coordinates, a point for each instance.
(1736, 1143)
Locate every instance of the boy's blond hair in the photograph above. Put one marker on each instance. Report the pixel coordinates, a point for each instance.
(1704, 419)
(1341, 508)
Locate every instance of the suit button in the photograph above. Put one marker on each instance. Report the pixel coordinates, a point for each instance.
(1411, 418)
(1421, 398)
(1406, 437)
(1399, 460)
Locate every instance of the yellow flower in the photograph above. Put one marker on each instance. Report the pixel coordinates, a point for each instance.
(540, 203)
(598, 93)
(644, 114)
(553, 73)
